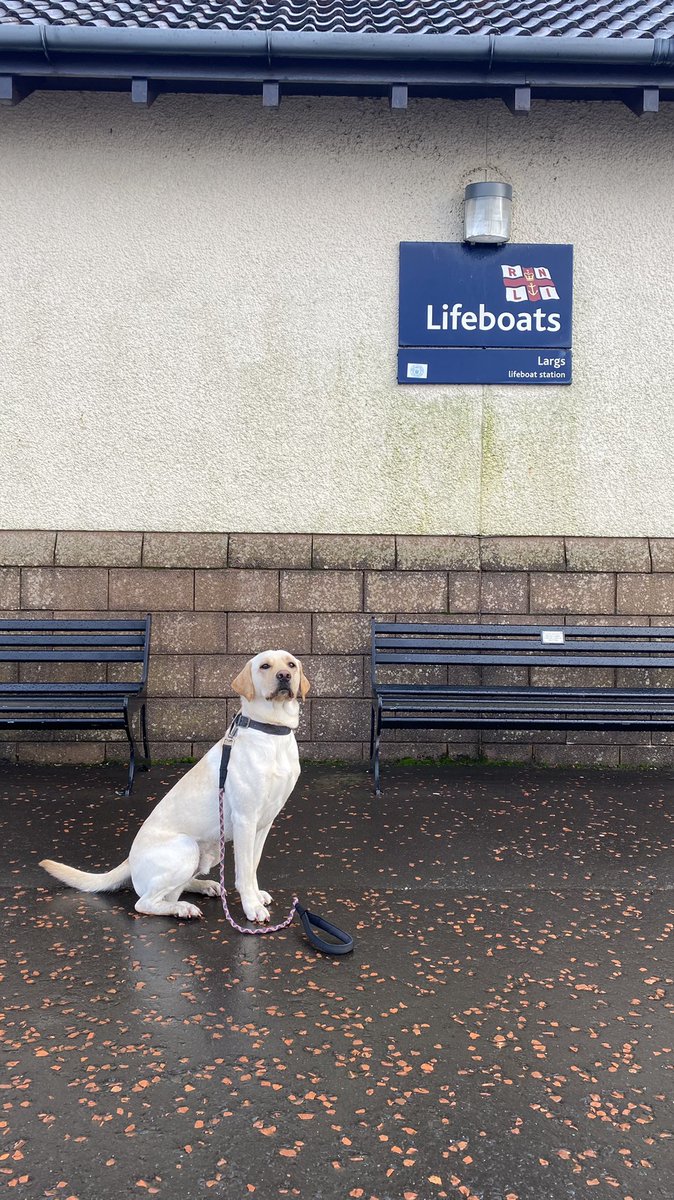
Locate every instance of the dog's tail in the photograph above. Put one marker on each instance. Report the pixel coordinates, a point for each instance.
(86, 881)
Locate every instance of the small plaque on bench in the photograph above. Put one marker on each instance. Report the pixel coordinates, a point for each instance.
(552, 637)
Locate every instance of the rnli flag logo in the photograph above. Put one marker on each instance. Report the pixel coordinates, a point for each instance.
(528, 283)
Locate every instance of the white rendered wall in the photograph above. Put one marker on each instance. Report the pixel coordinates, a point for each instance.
(198, 318)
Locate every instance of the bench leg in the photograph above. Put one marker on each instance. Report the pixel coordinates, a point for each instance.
(132, 768)
(133, 752)
(146, 745)
(375, 732)
(377, 771)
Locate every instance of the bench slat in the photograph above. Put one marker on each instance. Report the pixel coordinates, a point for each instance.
(125, 688)
(533, 645)
(65, 624)
(80, 639)
(543, 702)
(582, 631)
(64, 700)
(71, 656)
(467, 689)
(544, 709)
(458, 722)
(100, 721)
(517, 659)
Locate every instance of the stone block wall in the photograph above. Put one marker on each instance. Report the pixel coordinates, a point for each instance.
(217, 599)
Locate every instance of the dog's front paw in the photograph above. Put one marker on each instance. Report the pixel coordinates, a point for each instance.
(255, 911)
(265, 898)
(183, 909)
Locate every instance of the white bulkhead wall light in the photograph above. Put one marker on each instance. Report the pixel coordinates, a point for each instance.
(486, 213)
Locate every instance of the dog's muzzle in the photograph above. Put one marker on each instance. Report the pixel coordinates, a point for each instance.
(283, 689)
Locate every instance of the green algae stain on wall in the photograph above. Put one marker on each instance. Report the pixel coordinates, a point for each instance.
(492, 464)
(430, 461)
(533, 450)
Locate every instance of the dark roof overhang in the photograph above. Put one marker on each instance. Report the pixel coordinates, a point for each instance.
(516, 68)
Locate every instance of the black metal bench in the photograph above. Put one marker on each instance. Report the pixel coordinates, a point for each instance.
(112, 703)
(502, 681)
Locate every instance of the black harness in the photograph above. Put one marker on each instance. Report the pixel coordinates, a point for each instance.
(343, 943)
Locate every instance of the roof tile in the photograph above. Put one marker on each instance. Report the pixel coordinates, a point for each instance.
(579, 18)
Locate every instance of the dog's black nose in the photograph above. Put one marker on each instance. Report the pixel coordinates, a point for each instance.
(283, 676)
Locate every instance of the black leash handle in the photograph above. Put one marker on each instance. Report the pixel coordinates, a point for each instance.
(311, 922)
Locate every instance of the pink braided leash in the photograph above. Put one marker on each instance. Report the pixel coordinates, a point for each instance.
(223, 893)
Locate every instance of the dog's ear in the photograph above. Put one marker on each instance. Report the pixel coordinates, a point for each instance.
(243, 684)
(304, 684)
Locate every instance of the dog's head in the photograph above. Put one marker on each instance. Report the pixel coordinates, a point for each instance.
(272, 675)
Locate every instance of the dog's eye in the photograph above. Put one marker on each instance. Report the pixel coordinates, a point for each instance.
(264, 666)
(292, 665)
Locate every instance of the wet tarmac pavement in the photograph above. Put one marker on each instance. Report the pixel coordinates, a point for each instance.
(503, 1030)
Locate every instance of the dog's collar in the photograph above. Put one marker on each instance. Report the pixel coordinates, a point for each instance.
(241, 722)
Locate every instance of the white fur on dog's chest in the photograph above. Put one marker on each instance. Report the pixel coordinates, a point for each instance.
(278, 752)
(258, 791)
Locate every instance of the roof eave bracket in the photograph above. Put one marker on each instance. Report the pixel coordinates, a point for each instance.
(646, 102)
(519, 101)
(13, 89)
(144, 92)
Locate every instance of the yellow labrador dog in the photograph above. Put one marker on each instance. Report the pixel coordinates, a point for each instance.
(180, 840)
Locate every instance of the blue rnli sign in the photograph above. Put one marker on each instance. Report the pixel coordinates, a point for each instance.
(489, 314)
(428, 364)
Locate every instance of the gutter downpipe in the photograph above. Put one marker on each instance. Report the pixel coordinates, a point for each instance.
(47, 41)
